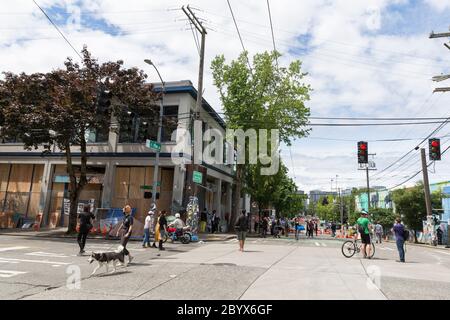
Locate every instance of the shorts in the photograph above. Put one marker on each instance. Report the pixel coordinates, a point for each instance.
(365, 238)
(241, 235)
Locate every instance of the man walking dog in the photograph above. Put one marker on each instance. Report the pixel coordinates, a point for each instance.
(125, 231)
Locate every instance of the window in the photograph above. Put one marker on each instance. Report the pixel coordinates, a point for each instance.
(170, 122)
(135, 129)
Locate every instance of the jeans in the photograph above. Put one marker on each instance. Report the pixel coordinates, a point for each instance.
(82, 235)
(379, 236)
(401, 249)
(124, 241)
(146, 237)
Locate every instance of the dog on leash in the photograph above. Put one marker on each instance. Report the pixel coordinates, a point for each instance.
(104, 258)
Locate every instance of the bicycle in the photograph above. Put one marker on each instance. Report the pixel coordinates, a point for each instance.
(350, 247)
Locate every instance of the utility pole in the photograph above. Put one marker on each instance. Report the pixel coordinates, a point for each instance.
(426, 183)
(198, 106)
(441, 77)
(368, 167)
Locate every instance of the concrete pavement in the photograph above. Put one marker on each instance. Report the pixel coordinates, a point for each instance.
(33, 268)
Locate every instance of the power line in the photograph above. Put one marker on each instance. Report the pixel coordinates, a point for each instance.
(336, 42)
(239, 34)
(56, 27)
(412, 177)
(271, 28)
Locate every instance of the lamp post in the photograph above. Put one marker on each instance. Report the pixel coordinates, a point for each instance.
(161, 111)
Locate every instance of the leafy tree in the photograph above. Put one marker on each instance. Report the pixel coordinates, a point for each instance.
(61, 107)
(384, 216)
(410, 204)
(327, 209)
(263, 97)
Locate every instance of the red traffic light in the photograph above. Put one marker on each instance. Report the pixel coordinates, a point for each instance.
(363, 146)
(435, 144)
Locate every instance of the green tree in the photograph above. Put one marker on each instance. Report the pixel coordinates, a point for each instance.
(327, 209)
(263, 97)
(384, 216)
(61, 107)
(410, 204)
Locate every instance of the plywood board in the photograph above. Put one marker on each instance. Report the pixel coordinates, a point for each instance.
(20, 178)
(4, 175)
(121, 182)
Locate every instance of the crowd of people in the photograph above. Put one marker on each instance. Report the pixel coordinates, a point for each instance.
(156, 223)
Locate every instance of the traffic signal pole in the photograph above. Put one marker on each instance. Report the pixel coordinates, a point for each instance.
(426, 183)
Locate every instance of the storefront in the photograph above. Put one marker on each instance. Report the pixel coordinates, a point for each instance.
(20, 193)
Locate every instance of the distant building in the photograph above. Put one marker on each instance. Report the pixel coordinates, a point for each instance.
(315, 195)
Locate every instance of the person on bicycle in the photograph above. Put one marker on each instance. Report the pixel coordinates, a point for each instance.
(363, 224)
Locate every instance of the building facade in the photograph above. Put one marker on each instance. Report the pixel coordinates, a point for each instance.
(120, 169)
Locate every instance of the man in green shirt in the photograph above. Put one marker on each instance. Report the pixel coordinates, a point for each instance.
(363, 228)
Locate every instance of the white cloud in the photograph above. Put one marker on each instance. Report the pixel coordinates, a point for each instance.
(353, 69)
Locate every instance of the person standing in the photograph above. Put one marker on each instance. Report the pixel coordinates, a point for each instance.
(439, 234)
(316, 226)
(85, 222)
(241, 227)
(216, 221)
(162, 223)
(378, 232)
(286, 227)
(126, 229)
(363, 228)
(265, 222)
(147, 227)
(333, 229)
(203, 220)
(399, 230)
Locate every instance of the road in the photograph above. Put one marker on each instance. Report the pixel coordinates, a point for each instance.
(33, 268)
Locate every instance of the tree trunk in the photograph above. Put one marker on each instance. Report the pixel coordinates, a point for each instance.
(237, 199)
(76, 187)
(415, 237)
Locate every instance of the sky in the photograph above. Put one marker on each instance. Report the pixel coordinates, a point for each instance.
(363, 58)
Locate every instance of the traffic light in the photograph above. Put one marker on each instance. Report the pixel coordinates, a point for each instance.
(434, 149)
(104, 103)
(363, 152)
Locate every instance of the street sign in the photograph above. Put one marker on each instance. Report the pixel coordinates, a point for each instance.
(153, 145)
(145, 187)
(197, 177)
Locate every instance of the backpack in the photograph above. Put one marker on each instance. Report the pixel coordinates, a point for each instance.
(406, 234)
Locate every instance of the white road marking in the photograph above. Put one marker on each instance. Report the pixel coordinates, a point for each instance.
(317, 244)
(47, 254)
(94, 248)
(56, 265)
(33, 261)
(9, 273)
(390, 249)
(12, 248)
(323, 244)
(443, 252)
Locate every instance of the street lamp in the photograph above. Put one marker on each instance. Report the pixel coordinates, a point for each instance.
(161, 111)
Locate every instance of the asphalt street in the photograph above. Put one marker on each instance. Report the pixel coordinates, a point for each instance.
(36, 268)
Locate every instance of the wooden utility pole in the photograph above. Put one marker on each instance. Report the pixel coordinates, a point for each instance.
(426, 183)
(198, 106)
(441, 77)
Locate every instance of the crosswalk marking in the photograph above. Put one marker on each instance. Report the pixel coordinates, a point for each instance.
(12, 248)
(10, 273)
(323, 244)
(33, 261)
(448, 253)
(317, 244)
(46, 254)
(96, 248)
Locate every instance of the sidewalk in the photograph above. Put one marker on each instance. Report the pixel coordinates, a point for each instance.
(61, 233)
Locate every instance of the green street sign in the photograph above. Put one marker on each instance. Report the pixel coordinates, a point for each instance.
(145, 187)
(153, 145)
(197, 177)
